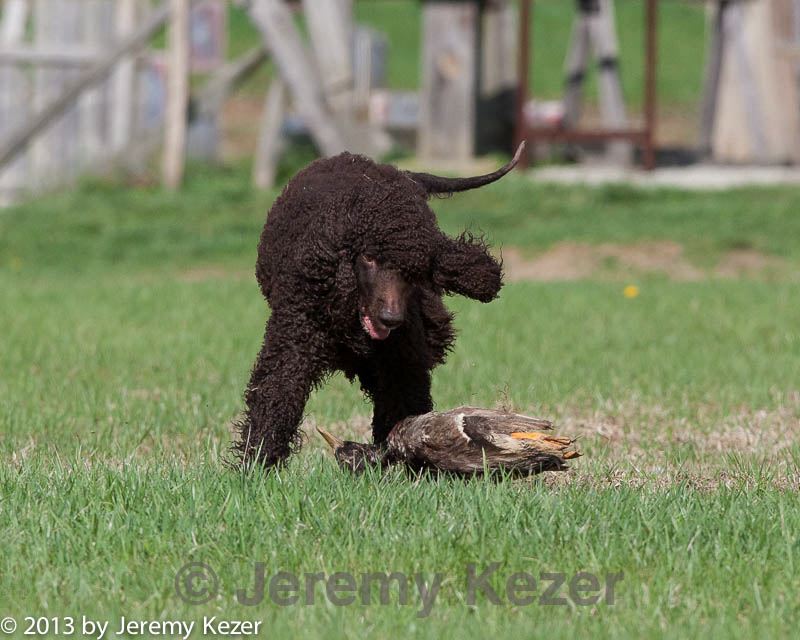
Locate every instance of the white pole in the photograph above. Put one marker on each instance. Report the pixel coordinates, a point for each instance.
(13, 86)
(177, 95)
(270, 140)
(123, 91)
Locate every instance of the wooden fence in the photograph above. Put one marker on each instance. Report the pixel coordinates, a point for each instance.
(82, 87)
(80, 84)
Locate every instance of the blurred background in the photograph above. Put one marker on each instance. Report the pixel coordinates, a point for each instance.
(89, 87)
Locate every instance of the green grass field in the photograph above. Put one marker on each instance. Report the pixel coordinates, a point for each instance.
(130, 319)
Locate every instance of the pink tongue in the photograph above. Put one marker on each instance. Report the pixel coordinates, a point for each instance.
(374, 333)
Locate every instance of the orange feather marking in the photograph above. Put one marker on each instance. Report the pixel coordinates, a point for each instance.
(527, 435)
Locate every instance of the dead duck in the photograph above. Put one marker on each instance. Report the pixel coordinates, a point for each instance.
(465, 441)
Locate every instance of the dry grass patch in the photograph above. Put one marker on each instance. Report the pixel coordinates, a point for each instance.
(567, 261)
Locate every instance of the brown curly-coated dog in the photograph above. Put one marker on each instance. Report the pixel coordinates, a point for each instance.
(354, 266)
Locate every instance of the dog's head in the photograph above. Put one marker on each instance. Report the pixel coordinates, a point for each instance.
(393, 255)
(382, 297)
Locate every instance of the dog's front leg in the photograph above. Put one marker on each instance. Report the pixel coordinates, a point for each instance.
(291, 361)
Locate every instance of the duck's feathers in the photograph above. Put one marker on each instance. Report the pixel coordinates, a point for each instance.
(469, 440)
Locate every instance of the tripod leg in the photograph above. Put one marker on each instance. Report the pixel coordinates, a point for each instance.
(575, 68)
(612, 102)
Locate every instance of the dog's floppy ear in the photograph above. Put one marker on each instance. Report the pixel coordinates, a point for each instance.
(464, 266)
(345, 288)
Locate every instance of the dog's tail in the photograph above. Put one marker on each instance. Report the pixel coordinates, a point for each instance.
(441, 185)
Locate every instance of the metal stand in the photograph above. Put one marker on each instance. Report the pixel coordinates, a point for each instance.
(594, 28)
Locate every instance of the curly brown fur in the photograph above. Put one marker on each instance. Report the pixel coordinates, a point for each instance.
(330, 215)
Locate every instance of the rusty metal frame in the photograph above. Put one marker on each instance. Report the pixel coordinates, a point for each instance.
(644, 137)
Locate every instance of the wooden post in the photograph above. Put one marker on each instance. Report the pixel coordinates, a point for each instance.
(14, 16)
(98, 35)
(12, 95)
(369, 66)
(330, 31)
(67, 133)
(747, 85)
(758, 106)
(713, 70)
(499, 48)
(48, 82)
(796, 31)
(270, 139)
(274, 21)
(331, 34)
(177, 95)
(450, 35)
(524, 63)
(497, 77)
(785, 21)
(650, 84)
(123, 98)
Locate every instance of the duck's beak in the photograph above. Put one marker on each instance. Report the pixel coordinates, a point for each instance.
(331, 439)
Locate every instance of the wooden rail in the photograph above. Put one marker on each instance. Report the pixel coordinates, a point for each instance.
(17, 142)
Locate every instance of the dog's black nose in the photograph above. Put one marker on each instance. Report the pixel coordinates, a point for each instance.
(390, 319)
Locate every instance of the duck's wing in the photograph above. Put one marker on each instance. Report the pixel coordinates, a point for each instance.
(502, 421)
(512, 438)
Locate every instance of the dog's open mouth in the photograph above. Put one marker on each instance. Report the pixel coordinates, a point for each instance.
(374, 328)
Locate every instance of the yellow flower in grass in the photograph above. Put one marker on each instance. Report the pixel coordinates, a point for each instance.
(631, 291)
